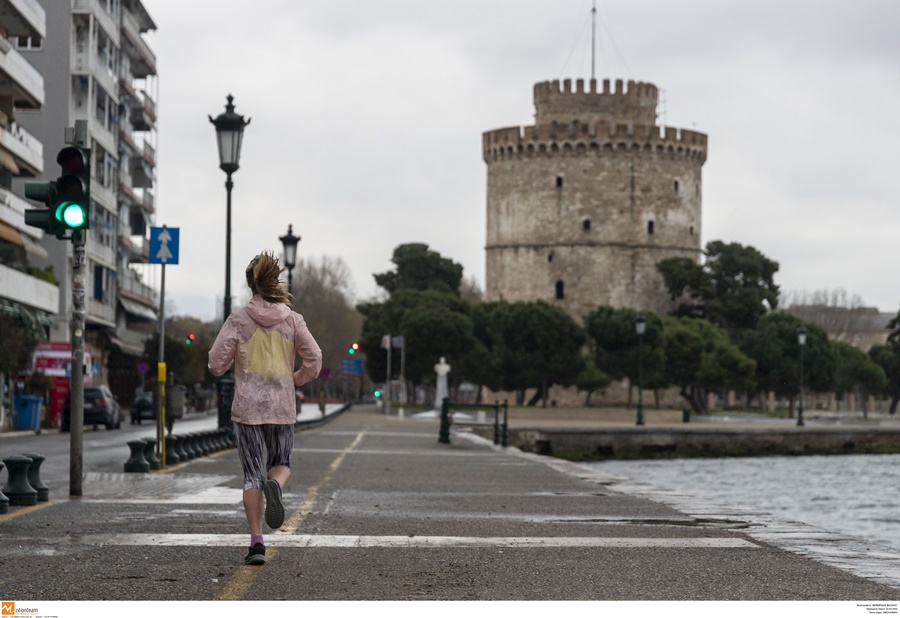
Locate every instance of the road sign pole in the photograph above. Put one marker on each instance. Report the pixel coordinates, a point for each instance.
(160, 386)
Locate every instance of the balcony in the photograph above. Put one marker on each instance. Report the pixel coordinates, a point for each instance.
(28, 290)
(143, 60)
(19, 79)
(24, 18)
(131, 287)
(108, 22)
(85, 63)
(142, 176)
(100, 313)
(143, 112)
(27, 151)
(149, 201)
(149, 154)
(137, 248)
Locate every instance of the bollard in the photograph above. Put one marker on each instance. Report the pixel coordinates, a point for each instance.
(150, 454)
(137, 463)
(17, 489)
(172, 456)
(496, 422)
(187, 445)
(228, 434)
(205, 446)
(444, 434)
(505, 437)
(4, 501)
(220, 440)
(180, 447)
(34, 476)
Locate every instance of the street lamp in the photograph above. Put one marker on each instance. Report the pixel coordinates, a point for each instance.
(229, 135)
(289, 241)
(641, 327)
(801, 339)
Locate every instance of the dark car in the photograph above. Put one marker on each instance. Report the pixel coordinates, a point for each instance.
(142, 409)
(100, 408)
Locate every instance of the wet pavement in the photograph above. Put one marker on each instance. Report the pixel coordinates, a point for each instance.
(378, 509)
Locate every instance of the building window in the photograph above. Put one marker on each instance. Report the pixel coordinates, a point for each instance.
(650, 228)
(98, 283)
(550, 257)
(559, 182)
(586, 225)
(29, 43)
(560, 290)
(676, 186)
(692, 230)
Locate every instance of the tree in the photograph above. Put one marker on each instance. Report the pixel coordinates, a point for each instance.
(419, 268)
(617, 347)
(433, 324)
(888, 358)
(774, 345)
(323, 295)
(855, 372)
(533, 345)
(700, 359)
(734, 287)
(16, 349)
(591, 379)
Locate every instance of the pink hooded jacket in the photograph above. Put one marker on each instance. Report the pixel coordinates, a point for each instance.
(262, 340)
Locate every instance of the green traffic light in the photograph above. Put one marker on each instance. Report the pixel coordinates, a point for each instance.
(378, 393)
(72, 215)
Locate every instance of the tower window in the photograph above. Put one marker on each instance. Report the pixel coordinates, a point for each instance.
(692, 230)
(650, 227)
(559, 182)
(549, 257)
(676, 186)
(560, 290)
(586, 225)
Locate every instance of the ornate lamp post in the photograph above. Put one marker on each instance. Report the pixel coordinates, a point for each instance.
(229, 136)
(640, 326)
(289, 242)
(801, 339)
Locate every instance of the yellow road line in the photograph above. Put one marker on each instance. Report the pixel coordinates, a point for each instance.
(28, 509)
(238, 586)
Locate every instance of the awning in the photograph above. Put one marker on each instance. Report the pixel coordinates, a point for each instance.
(7, 161)
(8, 232)
(127, 348)
(34, 247)
(138, 309)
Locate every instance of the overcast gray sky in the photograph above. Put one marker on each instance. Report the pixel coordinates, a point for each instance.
(367, 119)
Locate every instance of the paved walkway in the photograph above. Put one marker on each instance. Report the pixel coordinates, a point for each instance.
(379, 510)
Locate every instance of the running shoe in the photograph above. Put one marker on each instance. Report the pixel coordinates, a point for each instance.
(256, 555)
(274, 506)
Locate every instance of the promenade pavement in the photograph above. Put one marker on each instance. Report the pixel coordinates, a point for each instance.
(378, 509)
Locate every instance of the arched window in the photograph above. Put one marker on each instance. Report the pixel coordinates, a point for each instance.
(586, 225)
(559, 182)
(560, 290)
(650, 228)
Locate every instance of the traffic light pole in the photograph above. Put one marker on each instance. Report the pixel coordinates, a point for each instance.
(76, 406)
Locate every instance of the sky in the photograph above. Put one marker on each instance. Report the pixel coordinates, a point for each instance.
(366, 119)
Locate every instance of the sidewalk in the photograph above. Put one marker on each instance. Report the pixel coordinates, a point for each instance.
(377, 509)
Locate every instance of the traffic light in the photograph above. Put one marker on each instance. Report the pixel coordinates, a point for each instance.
(353, 348)
(377, 393)
(189, 339)
(68, 198)
(73, 188)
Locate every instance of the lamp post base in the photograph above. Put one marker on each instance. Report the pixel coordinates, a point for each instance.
(225, 387)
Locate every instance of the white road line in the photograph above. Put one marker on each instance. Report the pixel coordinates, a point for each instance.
(355, 541)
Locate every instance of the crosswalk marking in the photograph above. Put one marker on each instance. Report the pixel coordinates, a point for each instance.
(436, 542)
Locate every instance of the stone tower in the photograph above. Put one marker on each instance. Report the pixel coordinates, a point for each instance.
(584, 203)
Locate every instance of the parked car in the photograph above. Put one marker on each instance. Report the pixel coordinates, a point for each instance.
(100, 407)
(142, 409)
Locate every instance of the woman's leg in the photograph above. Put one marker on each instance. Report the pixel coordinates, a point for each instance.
(250, 443)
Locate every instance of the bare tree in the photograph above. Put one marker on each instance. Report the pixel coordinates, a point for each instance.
(322, 292)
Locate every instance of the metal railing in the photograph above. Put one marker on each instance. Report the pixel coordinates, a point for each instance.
(501, 429)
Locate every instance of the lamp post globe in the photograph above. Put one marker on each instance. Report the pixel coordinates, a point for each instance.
(289, 242)
(229, 138)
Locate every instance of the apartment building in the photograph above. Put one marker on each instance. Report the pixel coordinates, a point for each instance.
(28, 299)
(98, 68)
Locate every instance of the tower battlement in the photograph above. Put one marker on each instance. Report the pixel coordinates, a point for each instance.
(613, 102)
(576, 136)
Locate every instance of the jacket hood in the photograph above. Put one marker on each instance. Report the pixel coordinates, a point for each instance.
(265, 313)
